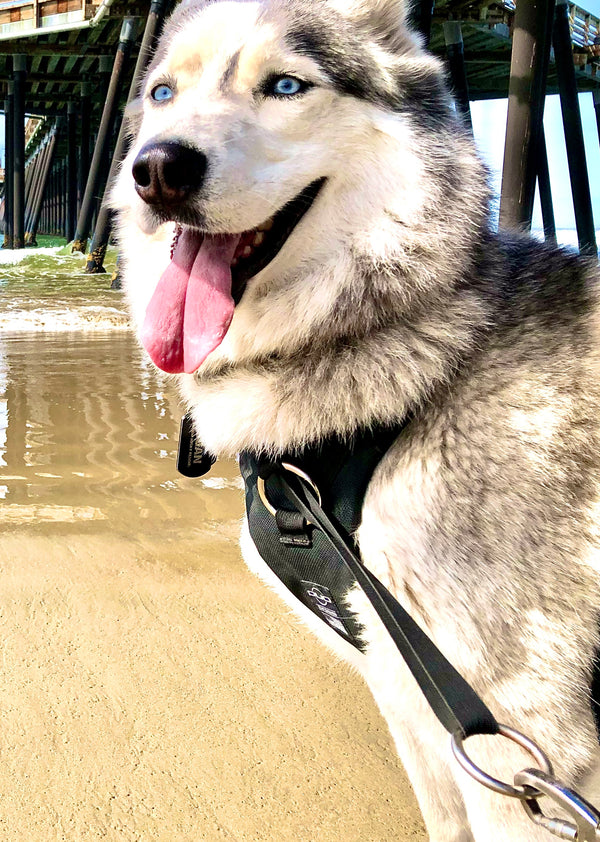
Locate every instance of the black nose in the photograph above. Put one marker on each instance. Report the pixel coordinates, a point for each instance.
(166, 173)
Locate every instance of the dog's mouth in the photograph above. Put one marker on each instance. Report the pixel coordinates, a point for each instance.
(194, 301)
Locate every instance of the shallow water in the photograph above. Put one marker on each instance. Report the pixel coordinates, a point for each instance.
(46, 289)
(88, 428)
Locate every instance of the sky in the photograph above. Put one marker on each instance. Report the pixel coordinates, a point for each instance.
(489, 123)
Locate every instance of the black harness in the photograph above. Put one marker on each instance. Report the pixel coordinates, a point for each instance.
(297, 552)
(315, 556)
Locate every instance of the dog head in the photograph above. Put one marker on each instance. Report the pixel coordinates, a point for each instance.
(274, 140)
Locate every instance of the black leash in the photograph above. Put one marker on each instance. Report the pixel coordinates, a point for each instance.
(452, 699)
(457, 706)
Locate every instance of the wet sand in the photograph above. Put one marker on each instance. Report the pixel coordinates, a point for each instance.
(150, 687)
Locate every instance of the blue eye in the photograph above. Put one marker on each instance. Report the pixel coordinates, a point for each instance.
(283, 86)
(287, 86)
(162, 93)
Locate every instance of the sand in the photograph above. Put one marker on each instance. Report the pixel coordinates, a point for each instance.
(150, 687)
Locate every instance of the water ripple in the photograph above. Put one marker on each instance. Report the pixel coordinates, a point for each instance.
(46, 289)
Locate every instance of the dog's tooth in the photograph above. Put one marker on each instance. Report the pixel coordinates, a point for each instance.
(234, 262)
(258, 238)
(247, 251)
(266, 226)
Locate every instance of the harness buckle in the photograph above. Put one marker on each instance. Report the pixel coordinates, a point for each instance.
(585, 824)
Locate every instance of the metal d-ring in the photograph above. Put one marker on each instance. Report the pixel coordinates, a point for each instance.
(292, 469)
(493, 783)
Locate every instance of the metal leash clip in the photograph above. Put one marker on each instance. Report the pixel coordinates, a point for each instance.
(530, 785)
(585, 826)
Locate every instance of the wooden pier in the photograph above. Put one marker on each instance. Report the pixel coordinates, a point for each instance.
(62, 62)
(72, 65)
(487, 33)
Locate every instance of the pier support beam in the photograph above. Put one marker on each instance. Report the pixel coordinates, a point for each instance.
(9, 168)
(527, 89)
(64, 195)
(154, 22)
(50, 203)
(34, 167)
(569, 103)
(19, 73)
(57, 202)
(545, 191)
(455, 51)
(99, 166)
(56, 199)
(72, 153)
(597, 109)
(420, 17)
(47, 164)
(30, 169)
(85, 116)
(46, 158)
(32, 173)
(60, 186)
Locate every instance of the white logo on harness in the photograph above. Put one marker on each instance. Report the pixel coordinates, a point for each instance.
(319, 598)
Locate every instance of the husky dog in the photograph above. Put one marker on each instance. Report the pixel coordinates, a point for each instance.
(305, 230)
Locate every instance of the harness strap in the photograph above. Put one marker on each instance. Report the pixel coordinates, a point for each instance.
(452, 699)
(297, 553)
(347, 467)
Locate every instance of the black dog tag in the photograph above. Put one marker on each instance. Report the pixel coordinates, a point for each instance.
(192, 459)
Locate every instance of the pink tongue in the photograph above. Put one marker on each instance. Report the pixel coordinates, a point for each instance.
(192, 307)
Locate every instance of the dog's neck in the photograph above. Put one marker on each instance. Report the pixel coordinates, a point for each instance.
(277, 403)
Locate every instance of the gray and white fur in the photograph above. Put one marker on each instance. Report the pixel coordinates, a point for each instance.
(394, 295)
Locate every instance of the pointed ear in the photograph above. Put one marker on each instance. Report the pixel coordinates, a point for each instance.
(384, 20)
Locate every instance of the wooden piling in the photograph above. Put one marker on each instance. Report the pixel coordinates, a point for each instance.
(52, 203)
(543, 175)
(8, 167)
(61, 197)
(85, 115)
(29, 177)
(72, 154)
(56, 200)
(455, 53)
(421, 16)
(524, 124)
(33, 170)
(57, 190)
(98, 168)
(19, 73)
(569, 102)
(37, 208)
(65, 196)
(47, 156)
(99, 244)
